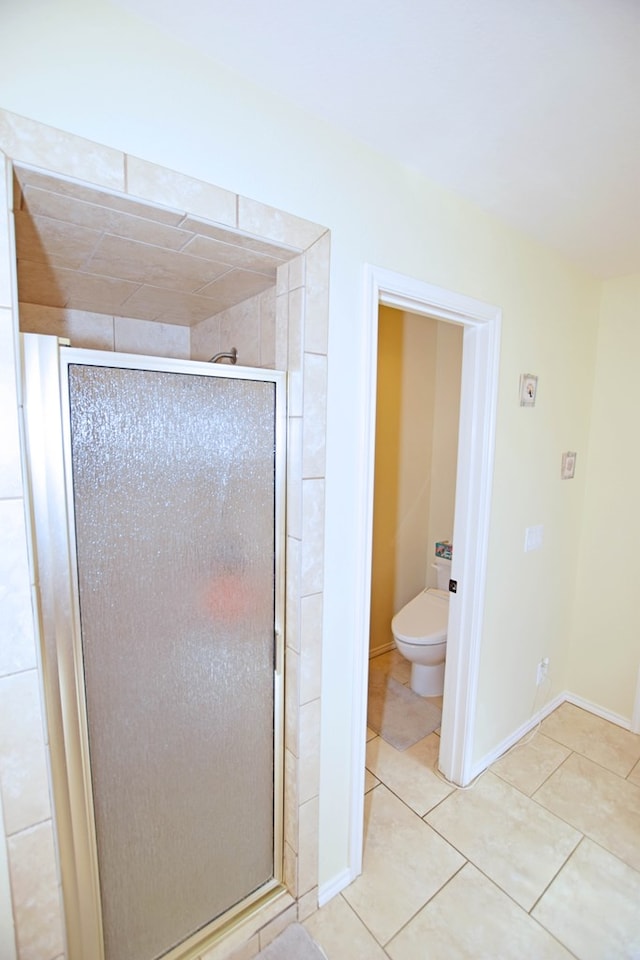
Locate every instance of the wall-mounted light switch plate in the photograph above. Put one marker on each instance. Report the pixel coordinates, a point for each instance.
(533, 538)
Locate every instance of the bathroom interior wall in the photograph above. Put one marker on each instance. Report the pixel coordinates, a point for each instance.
(417, 413)
(170, 105)
(605, 638)
(446, 421)
(402, 481)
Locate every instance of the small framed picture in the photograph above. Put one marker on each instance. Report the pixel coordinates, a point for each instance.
(528, 390)
(568, 465)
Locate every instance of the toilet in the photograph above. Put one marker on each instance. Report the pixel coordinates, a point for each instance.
(420, 633)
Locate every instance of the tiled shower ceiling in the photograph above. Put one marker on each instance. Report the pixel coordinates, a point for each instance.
(85, 249)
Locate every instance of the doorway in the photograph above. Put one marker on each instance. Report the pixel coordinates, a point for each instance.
(478, 402)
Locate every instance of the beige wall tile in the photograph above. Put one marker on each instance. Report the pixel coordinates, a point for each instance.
(315, 417)
(317, 296)
(268, 329)
(36, 897)
(282, 331)
(297, 272)
(35, 237)
(205, 339)
(234, 286)
(151, 338)
(232, 255)
(292, 694)
(310, 647)
(39, 283)
(10, 460)
(34, 143)
(307, 905)
(265, 221)
(312, 571)
(294, 478)
(7, 930)
(291, 800)
(102, 212)
(294, 553)
(6, 248)
(169, 306)
(282, 280)
(309, 740)
(308, 847)
(17, 645)
(92, 331)
(145, 263)
(240, 328)
(23, 764)
(296, 330)
(290, 867)
(168, 188)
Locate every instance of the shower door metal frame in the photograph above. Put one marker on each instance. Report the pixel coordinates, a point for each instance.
(50, 488)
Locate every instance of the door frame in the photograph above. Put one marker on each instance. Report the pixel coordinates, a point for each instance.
(476, 443)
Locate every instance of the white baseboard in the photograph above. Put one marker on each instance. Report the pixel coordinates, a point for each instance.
(533, 721)
(565, 697)
(385, 648)
(598, 711)
(327, 891)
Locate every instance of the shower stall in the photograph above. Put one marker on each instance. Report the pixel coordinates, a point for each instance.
(157, 492)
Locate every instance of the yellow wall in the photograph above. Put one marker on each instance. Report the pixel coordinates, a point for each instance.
(89, 68)
(605, 639)
(417, 412)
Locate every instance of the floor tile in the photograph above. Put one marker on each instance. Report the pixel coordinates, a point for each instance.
(528, 764)
(405, 863)
(510, 838)
(600, 804)
(341, 934)
(393, 663)
(409, 773)
(592, 906)
(370, 781)
(634, 776)
(471, 919)
(607, 744)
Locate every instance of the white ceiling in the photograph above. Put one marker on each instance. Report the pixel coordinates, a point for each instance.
(529, 108)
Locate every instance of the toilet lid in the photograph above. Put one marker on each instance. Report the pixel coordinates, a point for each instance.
(424, 619)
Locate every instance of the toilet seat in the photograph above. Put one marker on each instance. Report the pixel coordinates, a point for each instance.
(424, 620)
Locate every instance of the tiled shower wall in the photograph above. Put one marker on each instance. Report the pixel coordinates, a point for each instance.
(249, 326)
(34, 931)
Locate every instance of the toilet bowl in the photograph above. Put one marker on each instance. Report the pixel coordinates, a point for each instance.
(420, 633)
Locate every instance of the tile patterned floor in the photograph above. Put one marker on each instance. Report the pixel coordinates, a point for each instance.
(538, 860)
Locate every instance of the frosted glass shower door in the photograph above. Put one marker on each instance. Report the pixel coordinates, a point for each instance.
(175, 498)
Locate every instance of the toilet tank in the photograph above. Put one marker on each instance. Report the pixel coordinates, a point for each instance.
(443, 573)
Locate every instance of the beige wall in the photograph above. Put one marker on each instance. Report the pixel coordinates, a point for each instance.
(605, 636)
(172, 106)
(417, 411)
(445, 440)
